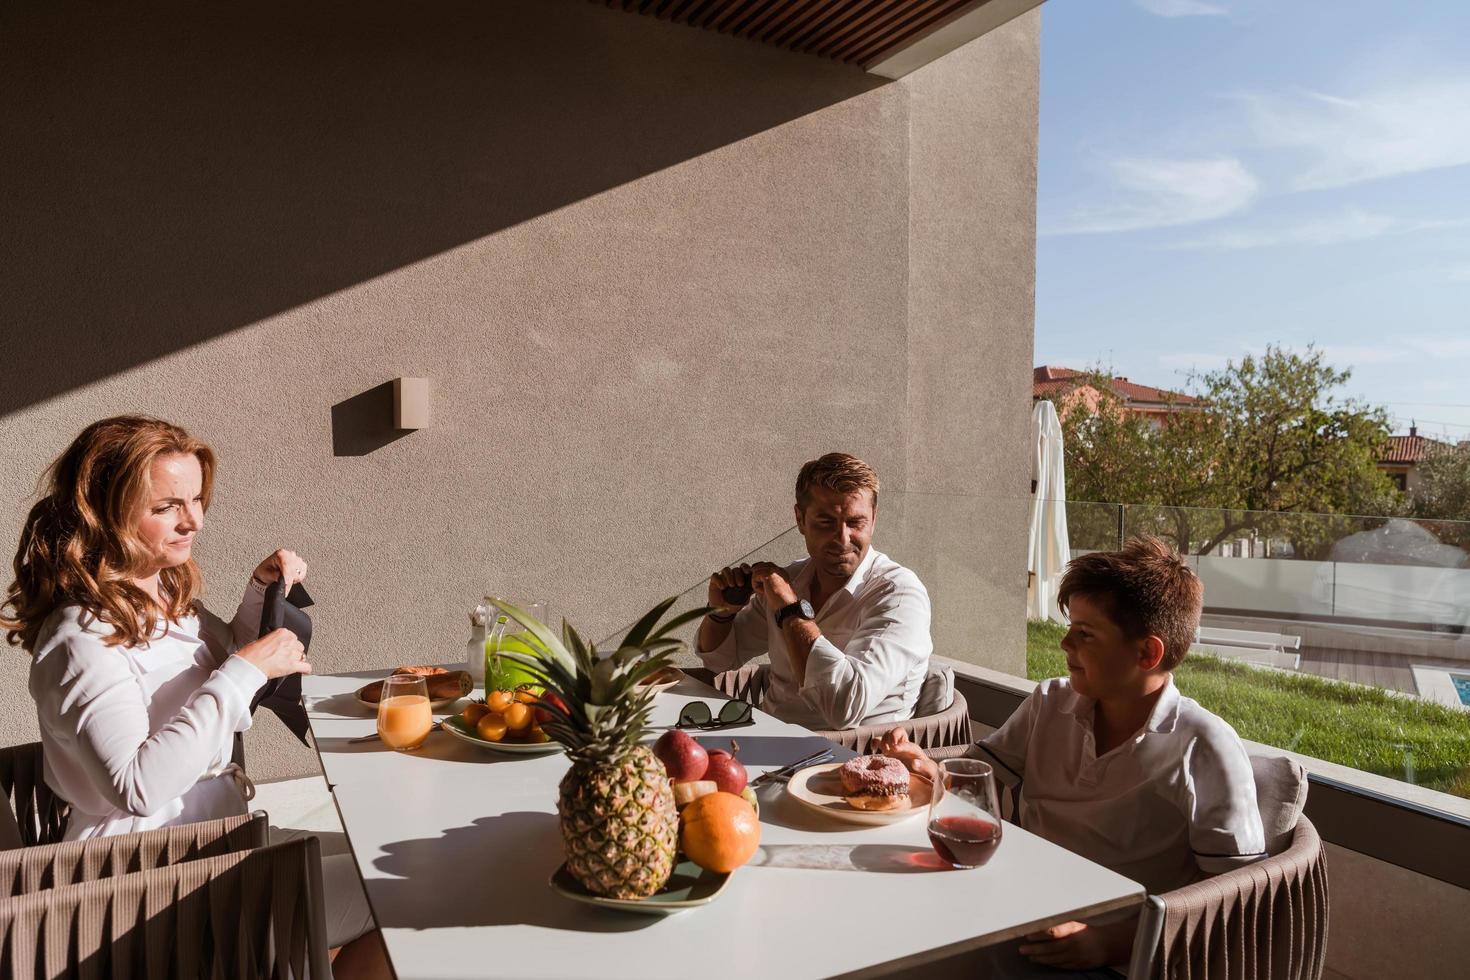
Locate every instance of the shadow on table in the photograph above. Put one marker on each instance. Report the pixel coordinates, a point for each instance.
(493, 872)
(779, 809)
(881, 858)
(767, 750)
(439, 746)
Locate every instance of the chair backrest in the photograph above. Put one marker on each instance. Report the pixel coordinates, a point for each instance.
(256, 913)
(32, 814)
(937, 692)
(1264, 921)
(944, 729)
(1281, 794)
(747, 683)
(30, 869)
(948, 729)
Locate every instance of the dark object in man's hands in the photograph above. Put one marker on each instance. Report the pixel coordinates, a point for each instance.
(740, 593)
(736, 595)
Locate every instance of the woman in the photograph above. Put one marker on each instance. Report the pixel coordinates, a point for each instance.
(139, 690)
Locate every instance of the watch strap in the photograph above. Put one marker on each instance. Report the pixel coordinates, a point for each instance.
(795, 609)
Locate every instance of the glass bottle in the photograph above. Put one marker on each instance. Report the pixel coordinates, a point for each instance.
(474, 658)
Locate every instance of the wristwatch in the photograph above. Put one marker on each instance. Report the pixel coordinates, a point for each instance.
(800, 609)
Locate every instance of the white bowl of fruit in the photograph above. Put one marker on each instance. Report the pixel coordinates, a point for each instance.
(505, 721)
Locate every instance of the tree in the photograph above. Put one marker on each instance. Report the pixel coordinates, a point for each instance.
(1444, 495)
(1268, 435)
(1444, 489)
(1117, 456)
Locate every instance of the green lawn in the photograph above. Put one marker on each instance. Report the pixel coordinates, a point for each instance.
(1362, 727)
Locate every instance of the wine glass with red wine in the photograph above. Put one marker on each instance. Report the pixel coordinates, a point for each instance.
(964, 814)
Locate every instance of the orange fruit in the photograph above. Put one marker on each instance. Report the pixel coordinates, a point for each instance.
(526, 695)
(719, 832)
(474, 712)
(499, 701)
(517, 717)
(491, 727)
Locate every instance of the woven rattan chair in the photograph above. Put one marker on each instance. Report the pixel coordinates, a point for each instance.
(1264, 921)
(30, 869)
(256, 914)
(936, 733)
(32, 814)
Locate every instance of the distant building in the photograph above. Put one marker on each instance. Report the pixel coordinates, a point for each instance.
(1066, 387)
(1403, 454)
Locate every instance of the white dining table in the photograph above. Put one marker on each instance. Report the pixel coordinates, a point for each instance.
(456, 845)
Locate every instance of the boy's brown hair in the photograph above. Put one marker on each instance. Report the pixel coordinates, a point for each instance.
(1146, 589)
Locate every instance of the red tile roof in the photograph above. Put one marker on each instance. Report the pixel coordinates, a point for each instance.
(1410, 449)
(1048, 380)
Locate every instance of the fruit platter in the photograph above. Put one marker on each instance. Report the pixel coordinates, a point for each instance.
(647, 829)
(506, 721)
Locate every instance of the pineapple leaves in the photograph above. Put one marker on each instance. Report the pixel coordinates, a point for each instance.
(639, 633)
(601, 710)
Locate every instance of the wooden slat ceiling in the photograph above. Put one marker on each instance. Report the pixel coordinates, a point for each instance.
(864, 33)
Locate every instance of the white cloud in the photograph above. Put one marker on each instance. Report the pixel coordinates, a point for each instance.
(1350, 226)
(1160, 193)
(1349, 356)
(1442, 347)
(1182, 8)
(1338, 355)
(1398, 128)
(1194, 362)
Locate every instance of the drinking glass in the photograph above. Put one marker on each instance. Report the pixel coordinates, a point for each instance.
(964, 813)
(404, 718)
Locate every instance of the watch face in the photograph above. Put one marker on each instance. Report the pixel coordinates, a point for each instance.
(807, 610)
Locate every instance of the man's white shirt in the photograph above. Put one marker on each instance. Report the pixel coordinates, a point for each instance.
(866, 667)
(1175, 800)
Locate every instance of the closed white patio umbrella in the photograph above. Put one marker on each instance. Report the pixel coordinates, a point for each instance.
(1048, 550)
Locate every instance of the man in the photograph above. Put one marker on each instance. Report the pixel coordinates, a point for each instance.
(847, 629)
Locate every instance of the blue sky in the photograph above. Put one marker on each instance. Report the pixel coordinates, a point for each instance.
(1218, 175)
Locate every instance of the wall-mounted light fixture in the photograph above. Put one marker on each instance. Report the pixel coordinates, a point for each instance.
(413, 407)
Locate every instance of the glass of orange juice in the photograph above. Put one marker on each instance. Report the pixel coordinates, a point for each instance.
(404, 718)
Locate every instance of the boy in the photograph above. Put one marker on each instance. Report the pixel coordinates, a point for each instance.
(1111, 762)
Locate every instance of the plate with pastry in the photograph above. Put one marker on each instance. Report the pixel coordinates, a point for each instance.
(445, 686)
(867, 789)
(662, 680)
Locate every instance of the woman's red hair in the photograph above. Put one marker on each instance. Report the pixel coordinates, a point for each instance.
(80, 543)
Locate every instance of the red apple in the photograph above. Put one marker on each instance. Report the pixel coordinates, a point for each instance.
(683, 758)
(726, 771)
(542, 715)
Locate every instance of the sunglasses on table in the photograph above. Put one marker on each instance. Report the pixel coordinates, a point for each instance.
(697, 714)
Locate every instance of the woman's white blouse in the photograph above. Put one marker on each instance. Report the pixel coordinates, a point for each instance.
(136, 738)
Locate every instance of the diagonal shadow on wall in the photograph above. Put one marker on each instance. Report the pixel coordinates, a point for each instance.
(173, 171)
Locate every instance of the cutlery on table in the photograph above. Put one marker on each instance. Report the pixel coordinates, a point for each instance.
(787, 771)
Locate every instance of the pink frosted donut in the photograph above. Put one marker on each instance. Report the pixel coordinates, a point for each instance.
(874, 782)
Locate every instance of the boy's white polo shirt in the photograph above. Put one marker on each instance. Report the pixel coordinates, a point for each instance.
(1176, 800)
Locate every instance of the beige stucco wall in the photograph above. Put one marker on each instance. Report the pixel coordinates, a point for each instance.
(649, 270)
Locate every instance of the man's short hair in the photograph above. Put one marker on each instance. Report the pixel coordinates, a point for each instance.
(1146, 589)
(837, 472)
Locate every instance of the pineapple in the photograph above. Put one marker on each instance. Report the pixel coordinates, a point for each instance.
(618, 821)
